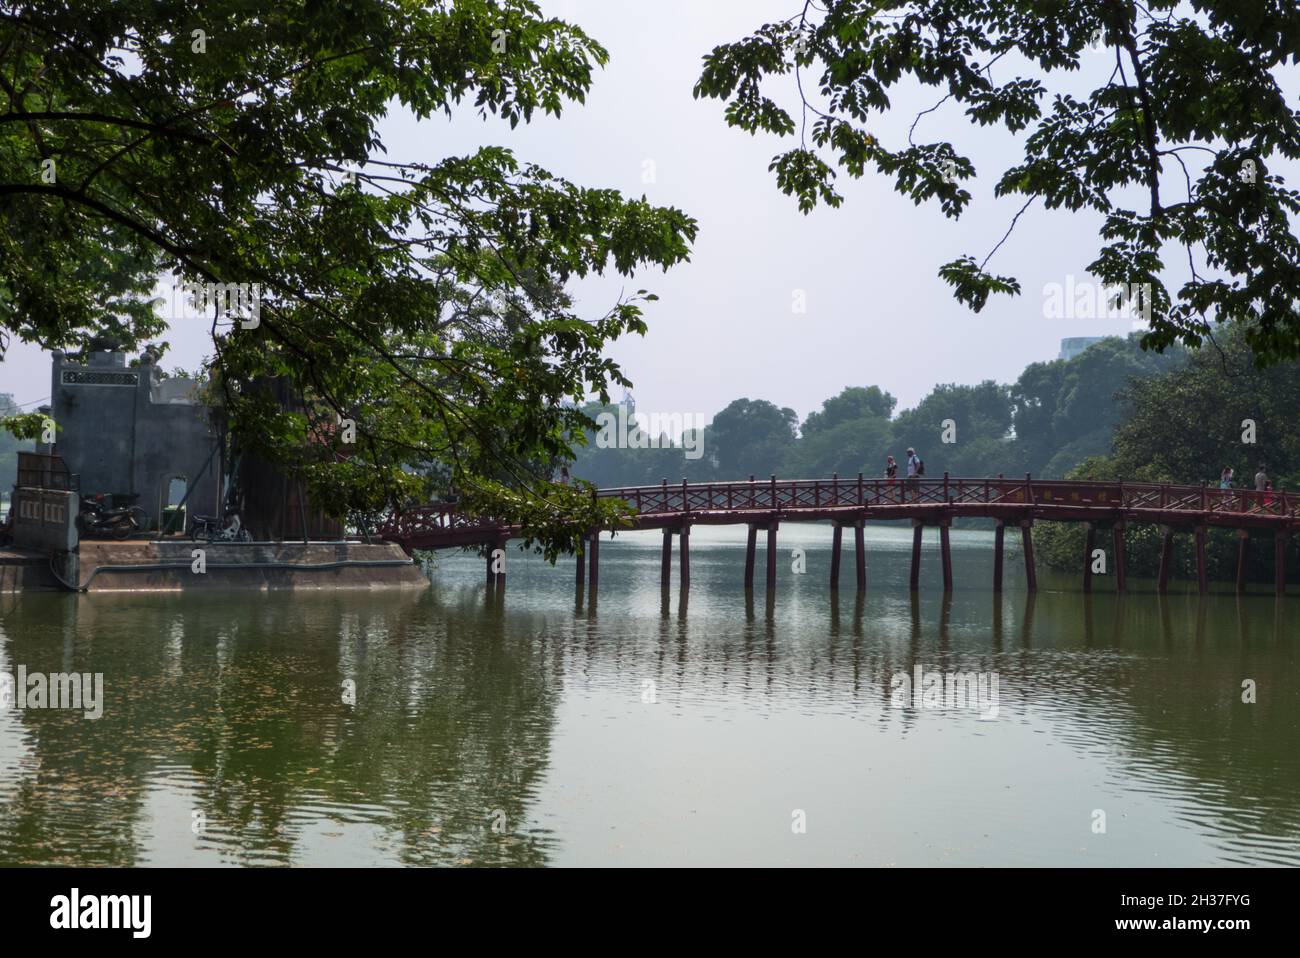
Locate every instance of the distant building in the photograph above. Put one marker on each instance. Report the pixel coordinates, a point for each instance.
(1073, 345)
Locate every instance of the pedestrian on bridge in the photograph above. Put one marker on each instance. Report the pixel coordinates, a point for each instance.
(891, 473)
(915, 470)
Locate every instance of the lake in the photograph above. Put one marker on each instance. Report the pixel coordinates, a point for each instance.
(518, 726)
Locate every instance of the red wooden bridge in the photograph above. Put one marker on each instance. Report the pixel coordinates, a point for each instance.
(850, 503)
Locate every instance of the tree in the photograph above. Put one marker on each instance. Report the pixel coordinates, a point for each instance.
(1183, 426)
(1068, 411)
(749, 437)
(853, 403)
(962, 414)
(236, 144)
(1192, 93)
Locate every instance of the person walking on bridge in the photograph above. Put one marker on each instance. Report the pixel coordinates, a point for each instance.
(1261, 483)
(1225, 486)
(891, 474)
(915, 470)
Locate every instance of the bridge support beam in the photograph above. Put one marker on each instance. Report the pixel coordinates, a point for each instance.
(1243, 552)
(999, 534)
(1089, 543)
(593, 546)
(1279, 562)
(1202, 574)
(945, 552)
(1121, 569)
(581, 563)
(686, 557)
(666, 560)
(917, 530)
(860, 551)
(1027, 545)
(750, 548)
(771, 557)
(837, 536)
(1166, 557)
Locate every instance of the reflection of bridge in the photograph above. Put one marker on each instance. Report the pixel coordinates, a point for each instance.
(849, 503)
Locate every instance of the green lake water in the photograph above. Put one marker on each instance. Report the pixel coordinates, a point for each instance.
(520, 727)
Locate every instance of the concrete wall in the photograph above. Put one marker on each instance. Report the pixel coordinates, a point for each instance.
(123, 430)
(246, 566)
(45, 519)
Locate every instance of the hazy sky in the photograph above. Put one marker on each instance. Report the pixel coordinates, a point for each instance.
(724, 326)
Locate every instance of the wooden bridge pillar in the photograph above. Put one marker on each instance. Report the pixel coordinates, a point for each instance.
(686, 556)
(945, 551)
(1279, 562)
(666, 560)
(1166, 557)
(917, 530)
(1202, 575)
(1089, 543)
(860, 550)
(1027, 543)
(999, 533)
(581, 563)
(771, 557)
(837, 537)
(1243, 552)
(750, 548)
(593, 544)
(1121, 570)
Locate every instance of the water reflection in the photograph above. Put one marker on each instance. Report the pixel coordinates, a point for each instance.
(526, 725)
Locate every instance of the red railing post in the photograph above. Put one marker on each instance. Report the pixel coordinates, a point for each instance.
(686, 506)
(774, 490)
(946, 497)
(861, 501)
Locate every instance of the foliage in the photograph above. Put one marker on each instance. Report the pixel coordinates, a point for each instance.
(1190, 93)
(1184, 426)
(237, 142)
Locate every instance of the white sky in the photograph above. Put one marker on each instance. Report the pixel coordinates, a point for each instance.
(877, 313)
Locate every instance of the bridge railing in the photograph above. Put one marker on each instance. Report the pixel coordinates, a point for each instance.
(763, 495)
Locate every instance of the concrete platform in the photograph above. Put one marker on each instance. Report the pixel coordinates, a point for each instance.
(22, 570)
(169, 566)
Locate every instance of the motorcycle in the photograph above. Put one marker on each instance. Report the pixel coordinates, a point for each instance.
(212, 529)
(98, 520)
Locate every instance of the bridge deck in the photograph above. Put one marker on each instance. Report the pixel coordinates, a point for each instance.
(928, 500)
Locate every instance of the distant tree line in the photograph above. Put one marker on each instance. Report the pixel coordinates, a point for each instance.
(1054, 416)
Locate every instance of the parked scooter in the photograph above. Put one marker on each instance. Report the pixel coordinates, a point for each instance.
(97, 520)
(212, 529)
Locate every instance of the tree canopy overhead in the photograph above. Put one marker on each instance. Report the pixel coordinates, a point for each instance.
(237, 142)
(1186, 113)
